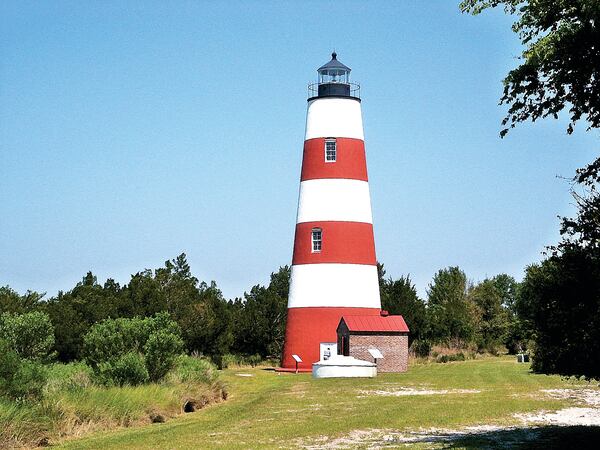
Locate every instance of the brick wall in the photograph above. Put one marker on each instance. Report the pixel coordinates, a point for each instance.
(394, 349)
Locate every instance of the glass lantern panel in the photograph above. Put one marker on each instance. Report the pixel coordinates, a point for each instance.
(333, 76)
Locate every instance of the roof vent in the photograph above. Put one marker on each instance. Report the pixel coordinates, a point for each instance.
(384, 313)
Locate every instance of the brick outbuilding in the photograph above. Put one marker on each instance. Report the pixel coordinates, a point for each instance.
(388, 334)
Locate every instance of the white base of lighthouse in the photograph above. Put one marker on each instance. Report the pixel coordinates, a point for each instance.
(339, 366)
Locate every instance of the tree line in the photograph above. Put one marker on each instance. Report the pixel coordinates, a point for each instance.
(459, 313)
(209, 324)
(488, 315)
(554, 313)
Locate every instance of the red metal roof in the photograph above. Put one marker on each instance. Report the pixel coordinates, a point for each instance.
(376, 323)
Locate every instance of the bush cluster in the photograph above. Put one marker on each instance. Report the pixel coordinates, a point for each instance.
(449, 358)
(421, 348)
(233, 360)
(20, 378)
(26, 342)
(30, 335)
(133, 351)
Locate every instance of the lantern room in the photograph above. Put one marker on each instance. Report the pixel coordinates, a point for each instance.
(334, 81)
(334, 72)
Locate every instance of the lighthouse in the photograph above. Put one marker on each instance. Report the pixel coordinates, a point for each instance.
(334, 267)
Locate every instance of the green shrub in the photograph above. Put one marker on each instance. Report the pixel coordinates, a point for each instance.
(133, 351)
(30, 335)
(254, 360)
(421, 348)
(192, 369)
(460, 356)
(29, 381)
(114, 337)
(161, 350)
(229, 360)
(72, 377)
(9, 360)
(232, 360)
(9, 364)
(20, 378)
(129, 368)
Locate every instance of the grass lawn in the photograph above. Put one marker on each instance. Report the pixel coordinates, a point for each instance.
(271, 410)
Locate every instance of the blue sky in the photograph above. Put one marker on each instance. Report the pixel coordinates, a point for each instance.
(133, 131)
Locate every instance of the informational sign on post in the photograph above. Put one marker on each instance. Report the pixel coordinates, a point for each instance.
(298, 360)
(375, 353)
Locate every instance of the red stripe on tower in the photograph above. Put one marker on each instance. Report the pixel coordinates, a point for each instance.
(334, 268)
(350, 161)
(347, 243)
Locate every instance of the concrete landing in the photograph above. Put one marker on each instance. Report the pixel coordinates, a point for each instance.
(339, 366)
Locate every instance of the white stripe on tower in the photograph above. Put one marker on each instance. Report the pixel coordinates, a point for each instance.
(334, 199)
(334, 117)
(348, 285)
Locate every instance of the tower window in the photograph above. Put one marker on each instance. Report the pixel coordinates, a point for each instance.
(316, 240)
(330, 150)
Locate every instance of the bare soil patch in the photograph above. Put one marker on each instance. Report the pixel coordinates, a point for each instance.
(404, 391)
(563, 417)
(590, 397)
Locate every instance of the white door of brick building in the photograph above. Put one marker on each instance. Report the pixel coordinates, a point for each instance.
(327, 350)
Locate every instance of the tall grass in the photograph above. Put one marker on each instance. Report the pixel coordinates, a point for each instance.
(231, 360)
(73, 405)
(23, 424)
(455, 351)
(119, 405)
(193, 369)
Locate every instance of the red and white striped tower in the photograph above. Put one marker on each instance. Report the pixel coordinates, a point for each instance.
(334, 268)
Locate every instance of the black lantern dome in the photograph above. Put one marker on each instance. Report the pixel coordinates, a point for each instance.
(334, 71)
(334, 81)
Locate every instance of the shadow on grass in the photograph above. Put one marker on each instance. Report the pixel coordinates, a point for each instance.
(543, 437)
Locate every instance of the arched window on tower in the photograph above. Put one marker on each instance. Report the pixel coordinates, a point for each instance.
(317, 237)
(330, 150)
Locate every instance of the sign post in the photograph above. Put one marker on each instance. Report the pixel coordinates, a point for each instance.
(298, 360)
(375, 353)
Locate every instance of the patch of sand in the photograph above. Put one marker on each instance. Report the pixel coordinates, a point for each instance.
(377, 438)
(590, 397)
(400, 392)
(373, 439)
(352, 439)
(563, 417)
